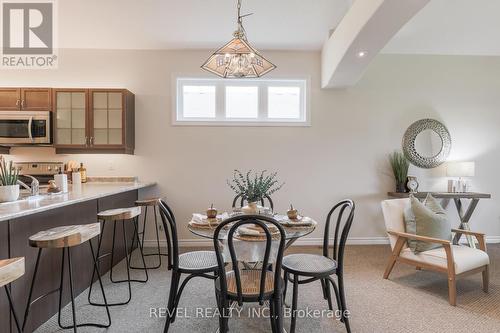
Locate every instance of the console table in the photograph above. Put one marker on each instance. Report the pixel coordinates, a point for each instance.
(464, 215)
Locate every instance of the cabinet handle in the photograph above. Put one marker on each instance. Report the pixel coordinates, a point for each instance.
(22, 104)
(86, 141)
(17, 103)
(92, 141)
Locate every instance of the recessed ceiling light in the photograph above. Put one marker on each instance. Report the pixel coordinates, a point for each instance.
(361, 54)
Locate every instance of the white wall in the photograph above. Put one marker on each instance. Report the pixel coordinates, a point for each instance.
(343, 154)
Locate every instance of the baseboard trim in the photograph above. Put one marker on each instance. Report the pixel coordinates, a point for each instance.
(194, 242)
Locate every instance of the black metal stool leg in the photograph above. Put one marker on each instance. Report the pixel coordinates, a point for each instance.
(73, 310)
(158, 253)
(30, 294)
(11, 305)
(136, 236)
(96, 268)
(70, 270)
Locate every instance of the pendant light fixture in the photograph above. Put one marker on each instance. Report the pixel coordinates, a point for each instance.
(237, 59)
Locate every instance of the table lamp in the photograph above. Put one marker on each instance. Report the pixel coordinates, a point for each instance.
(460, 170)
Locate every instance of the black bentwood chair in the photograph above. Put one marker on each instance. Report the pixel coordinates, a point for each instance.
(250, 285)
(321, 267)
(262, 201)
(197, 263)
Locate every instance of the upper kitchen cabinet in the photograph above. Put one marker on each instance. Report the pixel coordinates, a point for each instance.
(102, 121)
(36, 99)
(25, 99)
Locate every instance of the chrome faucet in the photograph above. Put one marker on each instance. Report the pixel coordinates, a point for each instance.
(35, 185)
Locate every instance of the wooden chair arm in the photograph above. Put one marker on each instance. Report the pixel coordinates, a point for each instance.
(419, 238)
(467, 232)
(479, 236)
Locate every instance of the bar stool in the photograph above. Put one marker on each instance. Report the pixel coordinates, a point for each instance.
(146, 203)
(11, 270)
(65, 238)
(115, 215)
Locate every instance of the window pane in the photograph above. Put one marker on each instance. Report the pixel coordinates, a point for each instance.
(284, 102)
(242, 102)
(198, 101)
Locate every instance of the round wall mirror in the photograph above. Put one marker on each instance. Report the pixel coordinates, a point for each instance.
(427, 143)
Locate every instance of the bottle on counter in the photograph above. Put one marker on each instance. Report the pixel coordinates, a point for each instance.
(61, 180)
(83, 173)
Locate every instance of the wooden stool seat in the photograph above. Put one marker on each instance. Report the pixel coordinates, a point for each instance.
(65, 236)
(119, 214)
(147, 202)
(11, 270)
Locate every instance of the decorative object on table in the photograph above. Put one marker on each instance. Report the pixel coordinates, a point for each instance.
(453, 260)
(399, 165)
(9, 186)
(459, 170)
(212, 212)
(412, 184)
(253, 188)
(427, 143)
(255, 233)
(61, 180)
(203, 221)
(292, 214)
(53, 187)
(237, 59)
(301, 221)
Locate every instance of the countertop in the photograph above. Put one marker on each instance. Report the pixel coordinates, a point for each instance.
(85, 192)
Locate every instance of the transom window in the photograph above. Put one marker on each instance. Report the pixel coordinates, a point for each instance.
(244, 102)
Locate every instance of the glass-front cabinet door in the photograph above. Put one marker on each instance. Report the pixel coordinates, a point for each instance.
(71, 118)
(107, 118)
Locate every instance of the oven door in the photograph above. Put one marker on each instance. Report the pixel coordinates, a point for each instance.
(18, 127)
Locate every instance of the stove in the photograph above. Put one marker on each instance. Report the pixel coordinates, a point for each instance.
(43, 171)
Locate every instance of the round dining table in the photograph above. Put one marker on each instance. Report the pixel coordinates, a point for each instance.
(292, 233)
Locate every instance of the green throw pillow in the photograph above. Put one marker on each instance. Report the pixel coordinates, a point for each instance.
(426, 219)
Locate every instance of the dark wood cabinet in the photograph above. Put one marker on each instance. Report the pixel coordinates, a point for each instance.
(25, 99)
(94, 121)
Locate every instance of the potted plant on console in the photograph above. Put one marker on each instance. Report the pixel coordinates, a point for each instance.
(400, 166)
(9, 188)
(253, 188)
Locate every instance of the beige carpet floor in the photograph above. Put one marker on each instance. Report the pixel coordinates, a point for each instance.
(411, 301)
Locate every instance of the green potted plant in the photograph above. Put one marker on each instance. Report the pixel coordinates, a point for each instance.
(9, 188)
(399, 165)
(253, 188)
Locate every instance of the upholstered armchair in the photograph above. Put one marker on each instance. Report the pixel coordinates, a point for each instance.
(453, 260)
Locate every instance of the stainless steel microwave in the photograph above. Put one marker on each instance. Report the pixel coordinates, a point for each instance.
(25, 127)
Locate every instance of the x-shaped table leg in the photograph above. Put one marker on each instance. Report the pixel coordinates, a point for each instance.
(464, 219)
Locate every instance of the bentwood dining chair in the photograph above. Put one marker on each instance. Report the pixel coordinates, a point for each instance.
(195, 264)
(250, 285)
(306, 268)
(241, 200)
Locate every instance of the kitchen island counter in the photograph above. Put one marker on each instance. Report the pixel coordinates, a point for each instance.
(21, 219)
(77, 194)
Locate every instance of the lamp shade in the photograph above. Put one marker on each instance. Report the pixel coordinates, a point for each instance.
(461, 169)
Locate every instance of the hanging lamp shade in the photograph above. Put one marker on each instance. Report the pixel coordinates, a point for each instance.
(237, 59)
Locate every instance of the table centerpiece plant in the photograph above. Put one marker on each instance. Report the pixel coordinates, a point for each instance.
(400, 166)
(9, 188)
(253, 188)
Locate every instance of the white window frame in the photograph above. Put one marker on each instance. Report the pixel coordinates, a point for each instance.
(220, 100)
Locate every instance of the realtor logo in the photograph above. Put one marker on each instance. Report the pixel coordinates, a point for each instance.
(28, 34)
